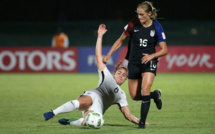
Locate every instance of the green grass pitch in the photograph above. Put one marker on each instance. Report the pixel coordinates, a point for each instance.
(188, 104)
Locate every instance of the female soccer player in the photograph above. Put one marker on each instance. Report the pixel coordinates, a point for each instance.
(144, 32)
(101, 98)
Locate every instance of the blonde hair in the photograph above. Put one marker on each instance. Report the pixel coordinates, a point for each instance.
(148, 7)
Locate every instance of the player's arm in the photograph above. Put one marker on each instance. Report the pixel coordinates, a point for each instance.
(115, 46)
(163, 51)
(127, 114)
(101, 31)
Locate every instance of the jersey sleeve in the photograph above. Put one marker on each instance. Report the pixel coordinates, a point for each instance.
(128, 27)
(106, 79)
(159, 32)
(123, 100)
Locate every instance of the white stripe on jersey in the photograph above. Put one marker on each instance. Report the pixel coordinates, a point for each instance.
(163, 35)
(125, 28)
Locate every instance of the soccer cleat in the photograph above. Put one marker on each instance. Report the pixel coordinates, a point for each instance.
(158, 101)
(48, 115)
(141, 126)
(64, 121)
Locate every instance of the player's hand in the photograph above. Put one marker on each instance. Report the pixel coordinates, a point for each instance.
(105, 59)
(146, 58)
(102, 30)
(147, 123)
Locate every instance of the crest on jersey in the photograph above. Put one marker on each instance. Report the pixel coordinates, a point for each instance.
(152, 33)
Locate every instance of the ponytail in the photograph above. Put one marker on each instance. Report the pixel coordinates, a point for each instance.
(148, 7)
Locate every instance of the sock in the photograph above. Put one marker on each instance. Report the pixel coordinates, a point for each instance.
(153, 95)
(77, 122)
(67, 107)
(144, 109)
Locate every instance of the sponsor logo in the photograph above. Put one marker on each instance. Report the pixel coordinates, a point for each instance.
(91, 60)
(145, 101)
(136, 31)
(191, 60)
(36, 60)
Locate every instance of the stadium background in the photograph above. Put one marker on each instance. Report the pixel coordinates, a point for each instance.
(33, 23)
(188, 98)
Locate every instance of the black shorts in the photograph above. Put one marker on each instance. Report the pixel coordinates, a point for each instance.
(135, 70)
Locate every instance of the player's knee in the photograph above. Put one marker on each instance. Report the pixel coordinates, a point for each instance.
(84, 105)
(146, 90)
(85, 102)
(135, 96)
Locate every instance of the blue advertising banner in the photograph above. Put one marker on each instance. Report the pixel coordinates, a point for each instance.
(87, 59)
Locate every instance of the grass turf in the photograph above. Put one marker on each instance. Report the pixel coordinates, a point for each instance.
(188, 104)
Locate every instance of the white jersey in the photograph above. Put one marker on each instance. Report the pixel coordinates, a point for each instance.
(107, 93)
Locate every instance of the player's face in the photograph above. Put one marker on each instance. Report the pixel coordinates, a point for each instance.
(142, 15)
(120, 76)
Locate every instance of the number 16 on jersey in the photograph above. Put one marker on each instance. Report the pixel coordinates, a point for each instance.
(143, 42)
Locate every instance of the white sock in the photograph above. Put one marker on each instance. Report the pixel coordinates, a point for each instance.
(67, 107)
(77, 122)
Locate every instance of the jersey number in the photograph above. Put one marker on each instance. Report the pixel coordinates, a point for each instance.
(116, 90)
(143, 42)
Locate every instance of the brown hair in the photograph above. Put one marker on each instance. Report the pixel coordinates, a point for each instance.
(118, 66)
(148, 7)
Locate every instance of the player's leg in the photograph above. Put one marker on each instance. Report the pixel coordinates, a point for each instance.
(83, 102)
(134, 86)
(135, 92)
(89, 101)
(156, 95)
(66, 107)
(147, 80)
(134, 81)
(73, 121)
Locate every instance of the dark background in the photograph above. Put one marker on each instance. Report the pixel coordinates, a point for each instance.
(34, 22)
(72, 10)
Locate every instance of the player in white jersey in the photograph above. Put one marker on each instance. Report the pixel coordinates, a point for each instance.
(101, 98)
(107, 93)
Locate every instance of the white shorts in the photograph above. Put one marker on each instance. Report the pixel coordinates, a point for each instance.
(97, 105)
